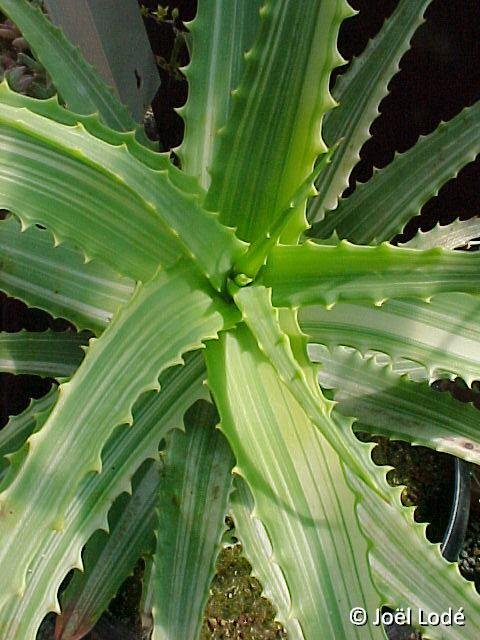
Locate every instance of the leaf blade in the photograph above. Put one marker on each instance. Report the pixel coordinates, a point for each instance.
(108, 382)
(319, 274)
(284, 464)
(359, 92)
(442, 335)
(154, 416)
(283, 96)
(57, 280)
(388, 404)
(379, 209)
(88, 94)
(192, 502)
(51, 354)
(219, 35)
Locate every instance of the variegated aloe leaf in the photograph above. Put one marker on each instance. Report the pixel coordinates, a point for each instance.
(121, 365)
(299, 488)
(458, 233)
(104, 199)
(220, 34)
(88, 94)
(52, 354)
(57, 279)
(358, 92)
(20, 427)
(154, 415)
(442, 335)
(276, 112)
(408, 570)
(298, 374)
(379, 209)
(52, 109)
(385, 403)
(109, 558)
(317, 274)
(194, 490)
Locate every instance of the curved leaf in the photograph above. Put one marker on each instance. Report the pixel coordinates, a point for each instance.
(56, 278)
(263, 321)
(457, 234)
(155, 414)
(109, 558)
(299, 488)
(125, 362)
(219, 36)
(50, 354)
(258, 549)
(359, 92)
(378, 209)
(20, 427)
(385, 403)
(409, 571)
(442, 335)
(195, 486)
(272, 138)
(105, 200)
(88, 94)
(319, 274)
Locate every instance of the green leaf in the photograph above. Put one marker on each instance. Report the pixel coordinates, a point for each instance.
(458, 233)
(109, 558)
(319, 274)
(442, 335)
(88, 93)
(21, 426)
(154, 415)
(57, 279)
(300, 491)
(409, 571)
(104, 199)
(378, 209)
(359, 92)
(122, 364)
(272, 137)
(299, 376)
(258, 549)
(385, 403)
(219, 35)
(51, 354)
(194, 490)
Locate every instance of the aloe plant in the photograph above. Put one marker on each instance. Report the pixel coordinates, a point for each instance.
(206, 274)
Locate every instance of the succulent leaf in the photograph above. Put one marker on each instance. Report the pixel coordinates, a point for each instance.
(52, 354)
(358, 92)
(442, 335)
(109, 558)
(88, 94)
(318, 274)
(57, 279)
(386, 403)
(193, 496)
(299, 487)
(99, 397)
(282, 97)
(379, 209)
(219, 36)
(155, 414)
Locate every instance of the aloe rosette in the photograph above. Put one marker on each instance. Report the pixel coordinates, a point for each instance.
(206, 274)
